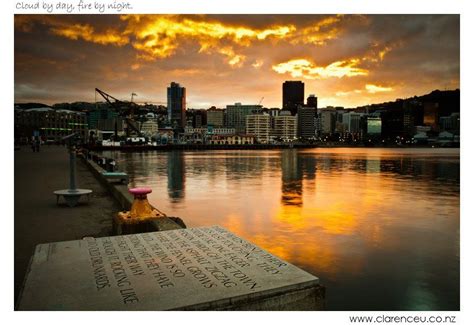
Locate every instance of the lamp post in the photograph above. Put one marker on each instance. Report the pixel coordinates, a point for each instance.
(72, 194)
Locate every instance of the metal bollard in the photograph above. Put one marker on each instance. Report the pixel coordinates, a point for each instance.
(140, 215)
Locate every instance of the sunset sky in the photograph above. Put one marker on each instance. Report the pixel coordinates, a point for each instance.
(349, 60)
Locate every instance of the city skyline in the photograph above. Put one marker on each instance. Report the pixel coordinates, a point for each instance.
(346, 61)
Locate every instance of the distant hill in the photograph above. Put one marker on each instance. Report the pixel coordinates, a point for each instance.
(448, 100)
(30, 105)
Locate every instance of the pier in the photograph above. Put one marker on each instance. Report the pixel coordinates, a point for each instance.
(38, 219)
(199, 268)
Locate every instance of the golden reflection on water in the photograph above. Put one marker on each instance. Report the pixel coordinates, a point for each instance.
(346, 215)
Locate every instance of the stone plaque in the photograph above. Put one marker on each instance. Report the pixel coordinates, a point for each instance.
(196, 268)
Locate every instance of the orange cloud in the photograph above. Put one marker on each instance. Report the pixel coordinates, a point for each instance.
(257, 64)
(319, 33)
(160, 36)
(87, 33)
(378, 52)
(233, 59)
(303, 68)
(372, 89)
(347, 93)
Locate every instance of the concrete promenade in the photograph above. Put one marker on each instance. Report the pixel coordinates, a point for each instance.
(37, 218)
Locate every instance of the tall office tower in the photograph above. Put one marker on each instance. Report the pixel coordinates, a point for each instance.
(306, 122)
(236, 115)
(177, 105)
(293, 95)
(312, 101)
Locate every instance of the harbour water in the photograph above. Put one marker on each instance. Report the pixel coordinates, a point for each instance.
(379, 227)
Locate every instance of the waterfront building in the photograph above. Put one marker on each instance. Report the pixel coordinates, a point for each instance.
(192, 135)
(209, 130)
(191, 138)
(149, 127)
(220, 130)
(273, 112)
(164, 135)
(327, 119)
(203, 134)
(412, 116)
(111, 124)
(374, 126)
(293, 95)
(176, 105)
(236, 115)
(420, 138)
(231, 139)
(351, 121)
(450, 123)
(195, 117)
(190, 129)
(259, 126)
(285, 127)
(431, 115)
(103, 119)
(306, 122)
(317, 124)
(215, 117)
(52, 124)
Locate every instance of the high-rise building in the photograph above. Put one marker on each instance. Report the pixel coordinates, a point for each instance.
(351, 121)
(284, 127)
(293, 95)
(312, 101)
(374, 125)
(412, 116)
(306, 122)
(450, 123)
(259, 126)
(177, 105)
(431, 115)
(327, 120)
(235, 115)
(215, 117)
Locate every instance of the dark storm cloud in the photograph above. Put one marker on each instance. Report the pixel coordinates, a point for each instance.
(226, 58)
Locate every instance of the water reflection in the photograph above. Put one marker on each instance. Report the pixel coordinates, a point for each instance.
(380, 227)
(176, 176)
(291, 178)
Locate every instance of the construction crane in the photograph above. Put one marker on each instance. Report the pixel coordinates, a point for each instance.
(128, 110)
(261, 100)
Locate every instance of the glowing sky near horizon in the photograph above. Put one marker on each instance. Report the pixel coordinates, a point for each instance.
(345, 60)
